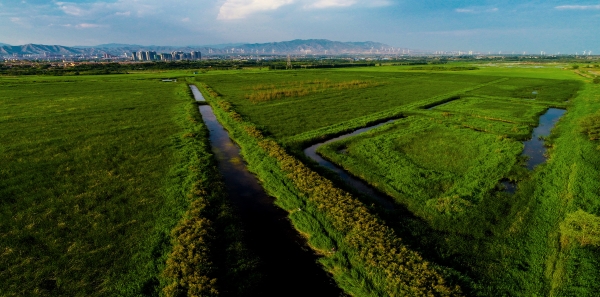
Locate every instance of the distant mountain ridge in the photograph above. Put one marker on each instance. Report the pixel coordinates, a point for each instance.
(298, 46)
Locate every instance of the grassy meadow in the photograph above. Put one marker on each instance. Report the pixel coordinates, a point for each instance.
(95, 172)
(330, 97)
(446, 165)
(108, 186)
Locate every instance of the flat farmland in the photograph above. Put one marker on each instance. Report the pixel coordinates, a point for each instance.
(457, 137)
(109, 184)
(557, 91)
(300, 101)
(500, 110)
(85, 166)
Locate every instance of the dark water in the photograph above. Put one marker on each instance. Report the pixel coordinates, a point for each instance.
(352, 181)
(197, 95)
(443, 103)
(534, 148)
(288, 264)
(509, 186)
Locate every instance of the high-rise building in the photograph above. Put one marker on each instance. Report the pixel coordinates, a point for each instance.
(142, 56)
(152, 56)
(196, 55)
(166, 57)
(134, 56)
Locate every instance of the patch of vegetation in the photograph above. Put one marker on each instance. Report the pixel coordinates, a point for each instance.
(263, 93)
(290, 116)
(532, 88)
(444, 68)
(419, 161)
(590, 126)
(505, 111)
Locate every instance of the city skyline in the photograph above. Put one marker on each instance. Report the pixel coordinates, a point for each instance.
(486, 26)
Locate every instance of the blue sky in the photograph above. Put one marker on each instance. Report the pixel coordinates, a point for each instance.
(552, 26)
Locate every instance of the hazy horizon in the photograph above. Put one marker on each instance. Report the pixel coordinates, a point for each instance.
(507, 26)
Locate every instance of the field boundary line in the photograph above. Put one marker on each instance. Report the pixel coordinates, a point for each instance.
(313, 136)
(439, 99)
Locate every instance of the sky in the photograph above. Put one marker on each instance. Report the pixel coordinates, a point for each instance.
(552, 26)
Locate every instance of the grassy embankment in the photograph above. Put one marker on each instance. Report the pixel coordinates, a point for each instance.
(95, 173)
(364, 256)
(568, 210)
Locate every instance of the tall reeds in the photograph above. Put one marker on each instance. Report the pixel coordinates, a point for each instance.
(268, 92)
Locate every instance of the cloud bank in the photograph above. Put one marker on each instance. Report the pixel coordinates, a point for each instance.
(578, 7)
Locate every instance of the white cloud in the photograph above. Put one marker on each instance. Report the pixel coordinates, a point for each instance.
(332, 3)
(464, 10)
(126, 13)
(476, 10)
(239, 9)
(70, 8)
(578, 7)
(87, 26)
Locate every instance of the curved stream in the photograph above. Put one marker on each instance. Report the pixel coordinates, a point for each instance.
(534, 149)
(354, 182)
(289, 267)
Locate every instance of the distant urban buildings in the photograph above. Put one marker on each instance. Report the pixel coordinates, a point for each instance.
(173, 56)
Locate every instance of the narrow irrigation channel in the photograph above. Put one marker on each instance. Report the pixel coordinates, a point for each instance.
(534, 148)
(352, 181)
(289, 266)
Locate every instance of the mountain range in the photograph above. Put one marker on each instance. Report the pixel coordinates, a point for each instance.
(298, 46)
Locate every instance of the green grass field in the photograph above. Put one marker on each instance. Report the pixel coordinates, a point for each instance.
(429, 166)
(297, 113)
(504, 111)
(108, 185)
(82, 181)
(94, 176)
(446, 164)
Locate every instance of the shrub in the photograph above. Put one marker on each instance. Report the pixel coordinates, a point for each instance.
(583, 227)
(590, 125)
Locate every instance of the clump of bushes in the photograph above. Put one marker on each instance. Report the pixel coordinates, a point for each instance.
(582, 227)
(590, 126)
(269, 92)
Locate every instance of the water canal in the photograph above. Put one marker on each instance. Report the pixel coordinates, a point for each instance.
(289, 266)
(534, 149)
(352, 181)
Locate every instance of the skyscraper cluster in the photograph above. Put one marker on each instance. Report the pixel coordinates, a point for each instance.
(173, 56)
